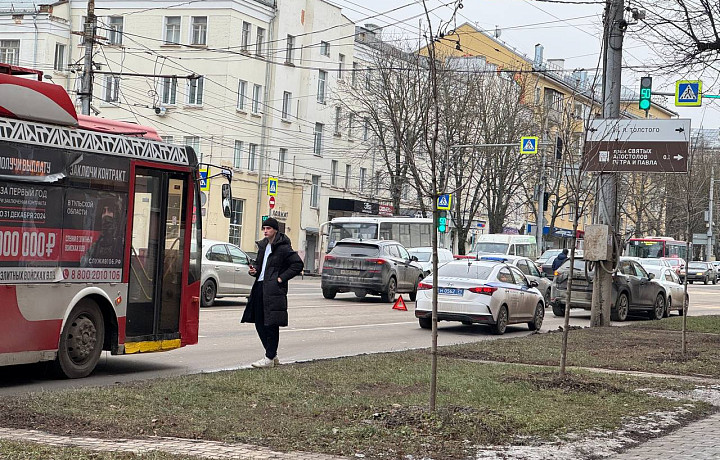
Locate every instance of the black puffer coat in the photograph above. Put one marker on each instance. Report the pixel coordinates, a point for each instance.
(283, 263)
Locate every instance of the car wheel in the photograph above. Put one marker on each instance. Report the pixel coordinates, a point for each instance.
(413, 294)
(658, 310)
(558, 310)
(714, 280)
(537, 321)
(81, 341)
(389, 294)
(360, 294)
(705, 280)
(425, 323)
(668, 305)
(547, 297)
(621, 308)
(499, 327)
(329, 293)
(690, 282)
(209, 290)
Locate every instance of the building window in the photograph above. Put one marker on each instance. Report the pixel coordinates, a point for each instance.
(366, 129)
(287, 101)
(317, 147)
(10, 51)
(167, 139)
(355, 69)
(537, 95)
(169, 90)
(115, 30)
(333, 172)
(289, 49)
(377, 182)
(242, 94)
(111, 91)
(325, 48)
(237, 155)
(252, 157)
(341, 66)
(315, 192)
(245, 38)
(363, 175)
(194, 143)
(348, 171)
(199, 30)
(195, 91)
(172, 30)
(351, 122)
(59, 57)
(322, 78)
(282, 159)
(236, 219)
(259, 41)
(256, 98)
(338, 117)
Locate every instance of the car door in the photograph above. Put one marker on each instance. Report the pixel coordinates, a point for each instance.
(409, 272)
(526, 299)
(397, 265)
(511, 293)
(222, 263)
(647, 289)
(675, 290)
(627, 279)
(243, 279)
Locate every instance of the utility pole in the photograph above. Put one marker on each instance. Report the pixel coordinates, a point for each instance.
(607, 187)
(87, 76)
(709, 249)
(541, 208)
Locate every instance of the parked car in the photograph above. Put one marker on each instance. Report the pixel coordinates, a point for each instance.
(716, 266)
(424, 257)
(547, 257)
(633, 290)
(674, 289)
(528, 268)
(678, 265)
(701, 271)
(224, 272)
(378, 267)
(481, 291)
(547, 266)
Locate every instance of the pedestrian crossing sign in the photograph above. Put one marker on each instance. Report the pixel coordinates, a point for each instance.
(528, 145)
(204, 184)
(688, 93)
(272, 186)
(444, 201)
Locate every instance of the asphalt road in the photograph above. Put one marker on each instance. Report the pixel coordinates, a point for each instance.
(319, 328)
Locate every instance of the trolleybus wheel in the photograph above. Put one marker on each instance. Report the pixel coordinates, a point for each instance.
(81, 341)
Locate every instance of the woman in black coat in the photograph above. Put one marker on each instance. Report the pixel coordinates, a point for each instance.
(276, 264)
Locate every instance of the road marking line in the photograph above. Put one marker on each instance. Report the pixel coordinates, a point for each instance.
(347, 327)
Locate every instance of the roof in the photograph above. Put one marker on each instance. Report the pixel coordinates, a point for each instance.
(365, 241)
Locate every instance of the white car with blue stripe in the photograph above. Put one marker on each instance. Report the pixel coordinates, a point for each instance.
(484, 292)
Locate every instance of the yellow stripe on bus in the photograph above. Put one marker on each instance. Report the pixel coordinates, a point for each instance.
(145, 347)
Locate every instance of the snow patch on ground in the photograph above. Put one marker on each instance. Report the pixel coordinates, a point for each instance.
(597, 444)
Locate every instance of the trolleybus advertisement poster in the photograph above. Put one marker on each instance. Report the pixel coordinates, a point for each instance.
(50, 233)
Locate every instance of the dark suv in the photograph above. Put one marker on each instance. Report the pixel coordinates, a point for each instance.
(379, 267)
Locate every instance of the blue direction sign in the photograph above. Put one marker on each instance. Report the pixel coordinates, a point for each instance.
(272, 186)
(444, 202)
(688, 93)
(528, 145)
(204, 183)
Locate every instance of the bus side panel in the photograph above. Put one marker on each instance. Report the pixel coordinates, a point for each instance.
(190, 315)
(190, 309)
(17, 334)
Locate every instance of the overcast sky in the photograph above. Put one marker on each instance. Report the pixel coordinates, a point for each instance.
(569, 32)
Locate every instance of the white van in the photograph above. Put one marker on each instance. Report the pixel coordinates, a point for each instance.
(514, 245)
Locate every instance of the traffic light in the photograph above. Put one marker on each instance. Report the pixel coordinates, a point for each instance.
(442, 222)
(645, 93)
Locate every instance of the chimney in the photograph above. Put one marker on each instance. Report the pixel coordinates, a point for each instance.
(556, 64)
(538, 55)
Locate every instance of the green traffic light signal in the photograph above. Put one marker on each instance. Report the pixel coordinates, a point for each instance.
(442, 222)
(645, 93)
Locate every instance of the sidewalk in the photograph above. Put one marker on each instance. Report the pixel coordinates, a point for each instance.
(191, 447)
(697, 441)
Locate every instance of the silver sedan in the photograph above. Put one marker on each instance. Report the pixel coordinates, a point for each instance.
(485, 292)
(224, 272)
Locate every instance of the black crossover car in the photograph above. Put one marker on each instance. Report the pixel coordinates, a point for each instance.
(379, 267)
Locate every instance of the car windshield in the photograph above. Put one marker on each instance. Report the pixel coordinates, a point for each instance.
(474, 271)
(673, 262)
(651, 262)
(491, 248)
(697, 266)
(579, 264)
(355, 250)
(549, 254)
(421, 256)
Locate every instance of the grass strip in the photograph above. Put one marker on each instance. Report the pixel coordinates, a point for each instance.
(374, 405)
(10, 450)
(704, 324)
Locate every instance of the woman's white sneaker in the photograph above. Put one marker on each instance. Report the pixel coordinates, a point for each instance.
(264, 362)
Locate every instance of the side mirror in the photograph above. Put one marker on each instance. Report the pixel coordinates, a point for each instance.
(543, 275)
(413, 258)
(534, 283)
(651, 276)
(226, 200)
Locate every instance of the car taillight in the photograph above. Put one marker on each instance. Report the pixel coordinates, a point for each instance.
(329, 260)
(424, 286)
(376, 261)
(487, 290)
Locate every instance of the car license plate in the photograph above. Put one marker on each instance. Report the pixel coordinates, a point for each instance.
(579, 282)
(348, 272)
(699, 273)
(450, 291)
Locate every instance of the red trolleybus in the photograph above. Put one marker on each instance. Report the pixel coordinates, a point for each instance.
(99, 235)
(656, 246)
